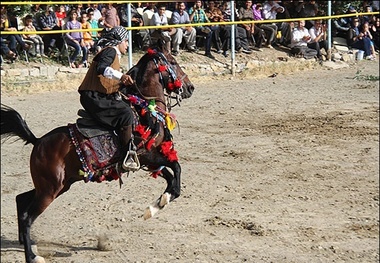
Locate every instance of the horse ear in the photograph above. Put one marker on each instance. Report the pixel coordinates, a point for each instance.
(161, 44)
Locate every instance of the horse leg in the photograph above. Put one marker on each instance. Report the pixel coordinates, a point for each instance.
(172, 191)
(26, 218)
(173, 181)
(23, 202)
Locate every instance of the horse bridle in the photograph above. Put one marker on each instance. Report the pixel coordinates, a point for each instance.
(157, 58)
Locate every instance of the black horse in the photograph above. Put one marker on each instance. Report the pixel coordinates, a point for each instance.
(56, 157)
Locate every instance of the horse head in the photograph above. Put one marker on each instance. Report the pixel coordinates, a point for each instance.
(158, 68)
(187, 86)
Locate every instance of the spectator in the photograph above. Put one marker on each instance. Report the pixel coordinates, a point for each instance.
(357, 40)
(5, 51)
(94, 24)
(159, 18)
(366, 18)
(197, 16)
(214, 14)
(87, 37)
(270, 29)
(300, 40)
(48, 22)
(36, 11)
(318, 37)
(308, 8)
(75, 39)
(79, 9)
(375, 6)
(241, 40)
(291, 7)
(367, 34)
(375, 31)
(340, 27)
(284, 28)
(186, 34)
(97, 14)
(61, 15)
(37, 41)
(110, 16)
(140, 37)
(351, 10)
(270, 10)
(13, 39)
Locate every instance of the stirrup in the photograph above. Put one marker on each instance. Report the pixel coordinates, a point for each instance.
(135, 166)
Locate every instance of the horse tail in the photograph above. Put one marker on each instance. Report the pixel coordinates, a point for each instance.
(12, 124)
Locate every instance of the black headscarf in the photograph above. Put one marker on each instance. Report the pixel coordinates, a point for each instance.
(112, 36)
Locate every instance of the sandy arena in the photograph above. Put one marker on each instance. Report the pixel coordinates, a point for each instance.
(282, 169)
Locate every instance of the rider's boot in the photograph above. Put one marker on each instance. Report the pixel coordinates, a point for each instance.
(131, 162)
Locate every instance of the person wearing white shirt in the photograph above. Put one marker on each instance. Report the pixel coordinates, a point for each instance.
(300, 40)
(270, 10)
(318, 37)
(160, 19)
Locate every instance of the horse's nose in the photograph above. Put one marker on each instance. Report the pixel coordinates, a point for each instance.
(189, 91)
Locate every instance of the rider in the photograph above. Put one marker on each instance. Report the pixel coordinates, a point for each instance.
(99, 91)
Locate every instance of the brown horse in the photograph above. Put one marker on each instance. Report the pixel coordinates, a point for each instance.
(55, 163)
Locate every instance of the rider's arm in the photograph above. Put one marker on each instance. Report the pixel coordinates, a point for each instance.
(105, 60)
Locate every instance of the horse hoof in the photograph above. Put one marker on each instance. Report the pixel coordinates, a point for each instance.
(164, 200)
(34, 249)
(147, 213)
(38, 259)
(150, 212)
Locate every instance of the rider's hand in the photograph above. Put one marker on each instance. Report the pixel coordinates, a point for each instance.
(126, 79)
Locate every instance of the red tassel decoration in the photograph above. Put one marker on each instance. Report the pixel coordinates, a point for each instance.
(143, 112)
(177, 83)
(150, 143)
(133, 100)
(140, 129)
(151, 52)
(156, 174)
(167, 149)
(172, 156)
(162, 68)
(171, 86)
(146, 134)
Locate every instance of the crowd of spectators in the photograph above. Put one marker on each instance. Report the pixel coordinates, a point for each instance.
(306, 38)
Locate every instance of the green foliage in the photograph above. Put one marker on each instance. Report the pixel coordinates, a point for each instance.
(365, 77)
(18, 10)
(339, 7)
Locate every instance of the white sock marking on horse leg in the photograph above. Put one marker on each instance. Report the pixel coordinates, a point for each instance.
(157, 206)
(34, 249)
(164, 200)
(38, 259)
(151, 211)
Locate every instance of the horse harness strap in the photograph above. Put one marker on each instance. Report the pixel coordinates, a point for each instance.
(162, 65)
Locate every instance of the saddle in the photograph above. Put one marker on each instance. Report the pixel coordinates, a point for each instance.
(98, 148)
(88, 127)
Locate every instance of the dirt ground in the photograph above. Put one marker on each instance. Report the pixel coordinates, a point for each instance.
(282, 169)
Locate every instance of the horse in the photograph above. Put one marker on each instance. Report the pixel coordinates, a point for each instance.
(55, 163)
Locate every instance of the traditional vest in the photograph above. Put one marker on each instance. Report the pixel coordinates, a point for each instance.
(99, 83)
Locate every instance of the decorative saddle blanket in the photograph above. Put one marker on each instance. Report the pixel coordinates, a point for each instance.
(98, 154)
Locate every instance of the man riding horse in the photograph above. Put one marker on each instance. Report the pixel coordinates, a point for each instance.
(99, 92)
